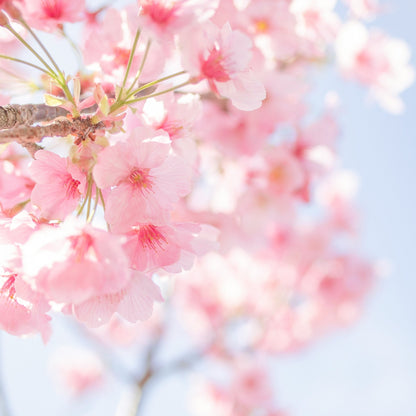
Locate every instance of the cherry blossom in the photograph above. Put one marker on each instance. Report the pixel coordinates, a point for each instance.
(74, 262)
(50, 14)
(165, 18)
(184, 181)
(59, 184)
(376, 60)
(77, 370)
(133, 302)
(109, 49)
(222, 56)
(146, 179)
(23, 311)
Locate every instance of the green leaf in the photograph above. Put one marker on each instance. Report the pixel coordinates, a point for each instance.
(104, 105)
(53, 101)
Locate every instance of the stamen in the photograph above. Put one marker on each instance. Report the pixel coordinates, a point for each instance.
(213, 67)
(159, 13)
(261, 26)
(140, 178)
(8, 285)
(151, 238)
(53, 8)
(71, 191)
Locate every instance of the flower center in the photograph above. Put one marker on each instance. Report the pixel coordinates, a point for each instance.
(53, 8)
(151, 238)
(140, 178)
(261, 26)
(71, 188)
(277, 174)
(213, 66)
(159, 13)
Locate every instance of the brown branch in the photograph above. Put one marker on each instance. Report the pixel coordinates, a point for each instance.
(33, 134)
(15, 115)
(32, 148)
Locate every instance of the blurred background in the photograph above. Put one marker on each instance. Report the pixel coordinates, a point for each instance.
(368, 369)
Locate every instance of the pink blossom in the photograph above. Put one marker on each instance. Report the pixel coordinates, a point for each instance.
(134, 302)
(77, 370)
(251, 385)
(14, 232)
(165, 18)
(222, 57)
(59, 184)
(172, 247)
(120, 332)
(237, 132)
(74, 262)
(279, 171)
(208, 399)
(339, 283)
(218, 288)
(110, 48)
(146, 180)
(177, 117)
(49, 14)
(336, 193)
(364, 9)
(317, 20)
(375, 60)
(22, 311)
(15, 187)
(276, 37)
(9, 44)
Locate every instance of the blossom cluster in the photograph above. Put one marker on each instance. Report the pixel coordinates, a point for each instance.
(191, 152)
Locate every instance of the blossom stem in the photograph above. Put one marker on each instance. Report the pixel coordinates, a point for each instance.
(21, 61)
(132, 52)
(119, 103)
(46, 65)
(101, 197)
(23, 22)
(158, 93)
(81, 208)
(139, 72)
(94, 209)
(73, 45)
(157, 81)
(89, 203)
(59, 76)
(87, 198)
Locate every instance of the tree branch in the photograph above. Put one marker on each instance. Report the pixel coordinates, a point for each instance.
(15, 115)
(80, 127)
